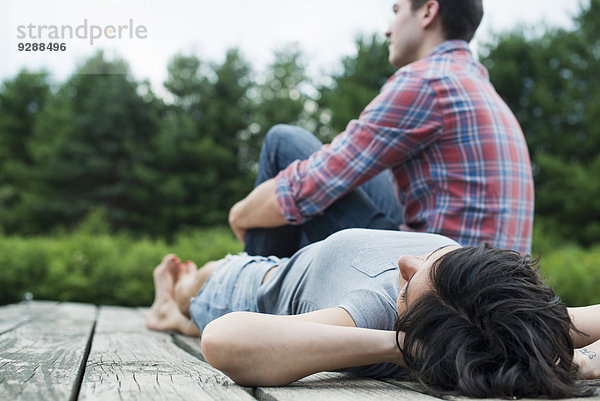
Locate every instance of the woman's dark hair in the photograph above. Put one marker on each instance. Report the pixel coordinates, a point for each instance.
(460, 18)
(490, 328)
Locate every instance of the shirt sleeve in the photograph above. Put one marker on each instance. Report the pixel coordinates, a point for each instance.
(402, 120)
(372, 310)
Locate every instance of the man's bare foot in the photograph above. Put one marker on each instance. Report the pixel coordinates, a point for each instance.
(164, 313)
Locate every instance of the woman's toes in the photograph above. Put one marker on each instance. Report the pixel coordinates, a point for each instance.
(190, 266)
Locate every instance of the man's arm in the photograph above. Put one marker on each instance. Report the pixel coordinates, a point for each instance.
(267, 350)
(259, 209)
(382, 137)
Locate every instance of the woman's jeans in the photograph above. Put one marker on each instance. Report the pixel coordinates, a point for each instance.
(372, 205)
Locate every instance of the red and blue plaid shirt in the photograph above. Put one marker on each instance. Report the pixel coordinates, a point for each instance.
(457, 152)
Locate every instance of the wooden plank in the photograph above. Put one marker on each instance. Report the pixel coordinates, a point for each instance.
(406, 383)
(418, 387)
(42, 359)
(596, 385)
(12, 316)
(127, 361)
(189, 344)
(338, 386)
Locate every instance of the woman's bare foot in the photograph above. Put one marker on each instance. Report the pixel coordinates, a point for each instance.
(191, 280)
(164, 313)
(186, 287)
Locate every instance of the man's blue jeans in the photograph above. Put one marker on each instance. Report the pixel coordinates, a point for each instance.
(372, 205)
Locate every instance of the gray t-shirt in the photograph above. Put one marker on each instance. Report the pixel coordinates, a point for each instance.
(353, 269)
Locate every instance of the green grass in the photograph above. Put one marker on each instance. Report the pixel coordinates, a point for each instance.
(98, 268)
(89, 265)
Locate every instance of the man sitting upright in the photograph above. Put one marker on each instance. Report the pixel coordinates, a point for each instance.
(436, 151)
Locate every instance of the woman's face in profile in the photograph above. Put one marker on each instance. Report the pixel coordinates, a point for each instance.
(414, 275)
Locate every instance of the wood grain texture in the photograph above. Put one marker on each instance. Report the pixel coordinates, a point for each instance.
(189, 344)
(12, 316)
(43, 349)
(42, 358)
(127, 361)
(417, 387)
(338, 386)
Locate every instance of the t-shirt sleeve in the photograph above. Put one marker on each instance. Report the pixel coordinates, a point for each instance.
(370, 309)
(402, 120)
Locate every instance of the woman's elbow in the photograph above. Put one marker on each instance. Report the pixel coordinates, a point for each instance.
(238, 356)
(221, 348)
(215, 346)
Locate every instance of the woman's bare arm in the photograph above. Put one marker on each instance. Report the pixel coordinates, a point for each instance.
(587, 355)
(588, 361)
(587, 320)
(267, 350)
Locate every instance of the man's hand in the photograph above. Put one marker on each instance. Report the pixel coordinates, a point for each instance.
(257, 210)
(239, 232)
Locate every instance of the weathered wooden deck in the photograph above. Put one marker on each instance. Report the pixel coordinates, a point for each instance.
(66, 351)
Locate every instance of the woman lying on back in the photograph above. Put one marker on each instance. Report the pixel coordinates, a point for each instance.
(472, 321)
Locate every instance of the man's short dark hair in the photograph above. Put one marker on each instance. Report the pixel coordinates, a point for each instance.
(460, 18)
(490, 328)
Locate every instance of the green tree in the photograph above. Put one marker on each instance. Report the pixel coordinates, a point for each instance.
(197, 148)
(91, 150)
(189, 81)
(21, 100)
(551, 82)
(281, 97)
(363, 75)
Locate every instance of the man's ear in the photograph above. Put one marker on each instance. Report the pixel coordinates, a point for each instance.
(430, 12)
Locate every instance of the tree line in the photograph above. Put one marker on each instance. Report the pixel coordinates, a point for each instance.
(103, 141)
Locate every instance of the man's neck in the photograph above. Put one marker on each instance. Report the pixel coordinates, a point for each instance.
(430, 42)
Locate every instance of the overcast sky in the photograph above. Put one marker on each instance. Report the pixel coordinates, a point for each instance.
(325, 29)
